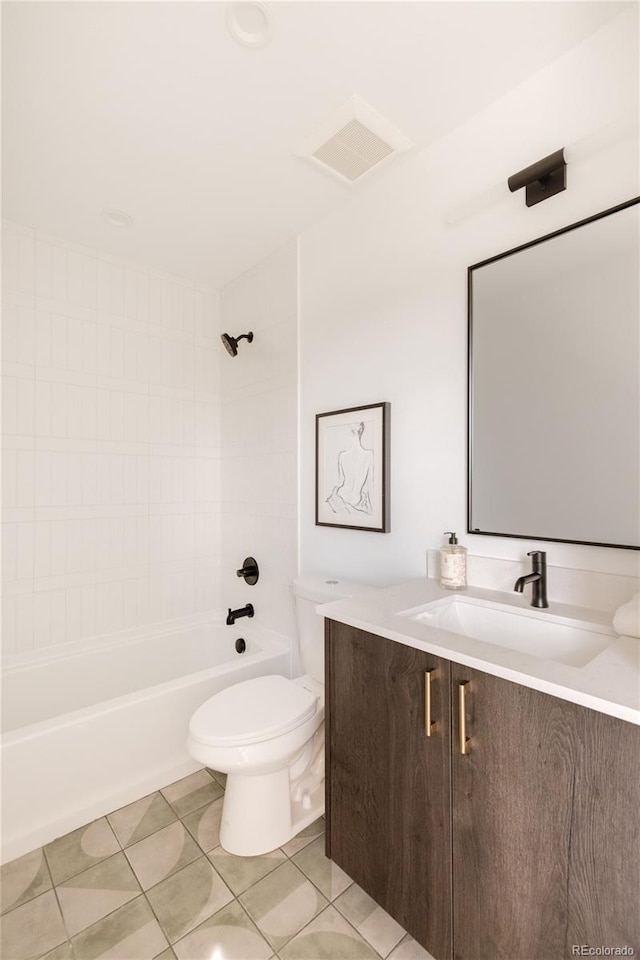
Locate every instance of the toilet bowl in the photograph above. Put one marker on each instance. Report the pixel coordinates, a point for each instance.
(267, 735)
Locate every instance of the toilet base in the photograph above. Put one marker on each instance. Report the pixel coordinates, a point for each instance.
(259, 814)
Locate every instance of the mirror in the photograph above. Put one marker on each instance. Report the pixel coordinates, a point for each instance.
(554, 386)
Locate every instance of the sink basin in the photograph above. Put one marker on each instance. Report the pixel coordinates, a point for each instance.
(534, 632)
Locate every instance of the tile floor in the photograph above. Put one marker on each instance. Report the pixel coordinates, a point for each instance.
(151, 881)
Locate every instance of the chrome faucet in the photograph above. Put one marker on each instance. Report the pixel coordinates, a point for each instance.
(537, 578)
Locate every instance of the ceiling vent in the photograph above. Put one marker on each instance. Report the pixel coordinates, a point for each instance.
(353, 141)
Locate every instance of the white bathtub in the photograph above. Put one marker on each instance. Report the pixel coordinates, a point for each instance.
(89, 730)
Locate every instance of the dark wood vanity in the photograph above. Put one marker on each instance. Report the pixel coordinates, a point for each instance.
(493, 822)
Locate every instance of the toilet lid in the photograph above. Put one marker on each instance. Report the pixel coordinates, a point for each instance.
(251, 711)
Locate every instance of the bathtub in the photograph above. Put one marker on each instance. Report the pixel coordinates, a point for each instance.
(87, 730)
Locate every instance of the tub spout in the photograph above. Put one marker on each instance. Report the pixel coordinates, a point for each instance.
(234, 615)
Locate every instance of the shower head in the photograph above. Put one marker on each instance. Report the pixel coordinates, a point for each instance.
(231, 343)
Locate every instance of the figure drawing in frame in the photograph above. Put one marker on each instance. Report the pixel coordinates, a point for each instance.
(352, 468)
(354, 491)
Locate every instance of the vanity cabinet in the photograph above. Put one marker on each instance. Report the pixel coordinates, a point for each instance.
(517, 848)
(388, 784)
(604, 866)
(511, 806)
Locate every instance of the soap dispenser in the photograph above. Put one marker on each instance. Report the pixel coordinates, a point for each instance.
(453, 564)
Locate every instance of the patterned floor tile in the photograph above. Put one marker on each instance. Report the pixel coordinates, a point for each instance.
(131, 933)
(81, 849)
(409, 950)
(90, 896)
(326, 874)
(370, 920)
(204, 825)
(32, 929)
(188, 897)
(140, 819)
(282, 903)
(328, 937)
(229, 934)
(240, 873)
(23, 879)
(312, 832)
(192, 792)
(220, 777)
(278, 906)
(163, 853)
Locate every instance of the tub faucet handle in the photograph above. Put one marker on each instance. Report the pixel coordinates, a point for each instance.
(249, 570)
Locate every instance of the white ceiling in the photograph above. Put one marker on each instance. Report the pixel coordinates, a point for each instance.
(154, 109)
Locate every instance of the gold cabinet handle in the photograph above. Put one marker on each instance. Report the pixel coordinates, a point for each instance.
(462, 718)
(428, 723)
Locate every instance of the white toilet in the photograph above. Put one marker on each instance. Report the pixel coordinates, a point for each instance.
(267, 735)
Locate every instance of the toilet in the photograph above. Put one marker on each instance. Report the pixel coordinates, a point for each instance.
(267, 735)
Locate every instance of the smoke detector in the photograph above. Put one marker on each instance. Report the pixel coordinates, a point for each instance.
(353, 141)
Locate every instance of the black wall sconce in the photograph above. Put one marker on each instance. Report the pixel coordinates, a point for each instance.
(542, 179)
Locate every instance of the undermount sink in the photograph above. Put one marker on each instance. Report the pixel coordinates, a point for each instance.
(534, 632)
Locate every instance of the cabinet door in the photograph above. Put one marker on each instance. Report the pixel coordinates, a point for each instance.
(512, 801)
(604, 866)
(388, 784)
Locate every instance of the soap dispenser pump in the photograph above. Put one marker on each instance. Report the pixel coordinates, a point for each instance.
(453, 564)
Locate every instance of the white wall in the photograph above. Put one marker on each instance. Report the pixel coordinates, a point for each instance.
(111, 444)
(383, 300)
(259, 431)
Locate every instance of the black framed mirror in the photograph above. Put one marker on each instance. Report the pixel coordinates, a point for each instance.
(554, 385)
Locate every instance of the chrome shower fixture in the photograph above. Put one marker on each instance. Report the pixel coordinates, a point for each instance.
(231, 343)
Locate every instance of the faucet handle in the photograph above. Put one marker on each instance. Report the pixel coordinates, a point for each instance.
(249, 571)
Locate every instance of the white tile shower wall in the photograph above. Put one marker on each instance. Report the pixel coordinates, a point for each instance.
(111, 444)
(259, 431)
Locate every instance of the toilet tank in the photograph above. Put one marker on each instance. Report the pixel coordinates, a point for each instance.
(308, 593)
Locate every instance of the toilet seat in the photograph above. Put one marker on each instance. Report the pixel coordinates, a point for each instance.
(252, 711)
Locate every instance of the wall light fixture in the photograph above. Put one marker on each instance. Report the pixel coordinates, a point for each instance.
(543, 179)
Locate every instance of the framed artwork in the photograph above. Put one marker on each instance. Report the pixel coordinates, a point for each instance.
(352, 468)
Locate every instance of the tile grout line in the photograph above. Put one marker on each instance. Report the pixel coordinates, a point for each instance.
(83, 869)
(157, 919)
(198, 845)
(242, 907)
(111, 912)
(330, 903)
(64, 922)
(359, 935)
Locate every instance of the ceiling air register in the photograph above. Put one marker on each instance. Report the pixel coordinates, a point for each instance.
(353, 141)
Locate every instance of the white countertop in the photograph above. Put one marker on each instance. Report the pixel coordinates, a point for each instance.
(610, 683)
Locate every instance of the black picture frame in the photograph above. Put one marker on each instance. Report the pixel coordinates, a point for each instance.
(352, 468)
